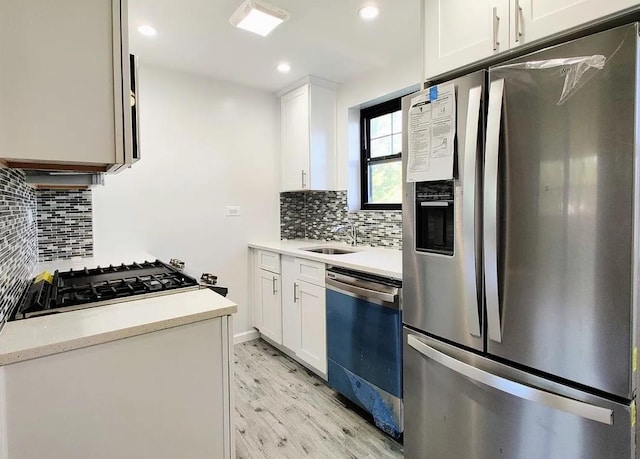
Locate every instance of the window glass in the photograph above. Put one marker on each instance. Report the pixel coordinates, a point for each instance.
(386, 183)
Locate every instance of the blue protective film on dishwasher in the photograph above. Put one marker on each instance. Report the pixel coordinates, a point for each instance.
(370, 398)
(366, 339)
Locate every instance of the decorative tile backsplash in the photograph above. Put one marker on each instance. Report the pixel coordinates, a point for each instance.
(314, 214)
(65, 224)
(18, 238)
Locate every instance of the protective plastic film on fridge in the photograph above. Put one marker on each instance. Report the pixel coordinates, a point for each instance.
(520, 300)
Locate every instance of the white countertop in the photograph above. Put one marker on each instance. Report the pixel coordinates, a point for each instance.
(375, 260)
(46, 335)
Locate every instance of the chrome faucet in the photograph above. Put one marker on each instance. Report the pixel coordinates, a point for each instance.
(350, 230)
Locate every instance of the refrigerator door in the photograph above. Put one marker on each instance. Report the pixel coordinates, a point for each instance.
(461, 405)
(560, 201)
(442, 291)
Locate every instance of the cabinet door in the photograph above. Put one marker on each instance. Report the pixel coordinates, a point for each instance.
(322, 138)
(290, 310)
(313, 335)
(295, 139)
(61, 82)
(269, 301)
(535, 19)
(459, 32)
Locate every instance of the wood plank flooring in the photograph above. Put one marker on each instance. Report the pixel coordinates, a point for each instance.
(285, 411)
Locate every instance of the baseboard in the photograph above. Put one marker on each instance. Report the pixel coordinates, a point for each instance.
(245, 336)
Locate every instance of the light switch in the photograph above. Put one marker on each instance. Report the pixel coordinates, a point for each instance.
(233, 211)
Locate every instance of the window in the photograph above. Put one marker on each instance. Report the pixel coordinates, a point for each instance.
(381, 160)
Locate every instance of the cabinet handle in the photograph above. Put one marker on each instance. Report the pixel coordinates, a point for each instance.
(295, 293)
(275, 290)
(518, 9)
(304, 174)
(496, 23)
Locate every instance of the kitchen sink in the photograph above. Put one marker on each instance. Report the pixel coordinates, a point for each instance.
(329, 250)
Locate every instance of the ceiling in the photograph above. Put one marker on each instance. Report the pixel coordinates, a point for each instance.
(324, 38)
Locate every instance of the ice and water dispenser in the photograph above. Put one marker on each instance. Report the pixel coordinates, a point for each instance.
(434, 217)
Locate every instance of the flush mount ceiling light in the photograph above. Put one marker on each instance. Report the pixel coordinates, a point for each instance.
(258, 17)
(369, 12)
(147, 31)
(284, 67)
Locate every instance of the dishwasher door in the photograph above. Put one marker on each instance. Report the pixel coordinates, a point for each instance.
(364, 344)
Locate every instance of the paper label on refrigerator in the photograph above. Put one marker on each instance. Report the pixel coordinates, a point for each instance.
(431, 131)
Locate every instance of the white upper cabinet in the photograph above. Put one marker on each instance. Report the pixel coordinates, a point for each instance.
(308, 116)
(65, 84)
(295, 139)
(536, 19)
(460, 32)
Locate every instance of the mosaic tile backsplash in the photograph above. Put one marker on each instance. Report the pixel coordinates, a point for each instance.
(314, 214)
(18, 238)
(65, 224)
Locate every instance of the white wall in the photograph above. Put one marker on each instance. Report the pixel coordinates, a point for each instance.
(396, 79)
(205, 145)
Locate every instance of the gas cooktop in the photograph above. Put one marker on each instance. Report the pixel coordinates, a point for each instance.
(87, 288)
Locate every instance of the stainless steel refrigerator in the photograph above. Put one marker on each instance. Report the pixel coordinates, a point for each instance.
(521, 274)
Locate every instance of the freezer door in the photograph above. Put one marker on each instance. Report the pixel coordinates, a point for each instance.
(559, 210)
(442, 290)
(460, 405)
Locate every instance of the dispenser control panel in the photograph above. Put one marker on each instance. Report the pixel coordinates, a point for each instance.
(435, 217)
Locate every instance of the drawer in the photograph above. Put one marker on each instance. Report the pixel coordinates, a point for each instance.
(310, 271)
(269, 261)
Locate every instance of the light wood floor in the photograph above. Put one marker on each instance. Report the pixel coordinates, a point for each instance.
(285, 411)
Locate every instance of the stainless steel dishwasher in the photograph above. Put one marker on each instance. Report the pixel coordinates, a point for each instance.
(364, 343)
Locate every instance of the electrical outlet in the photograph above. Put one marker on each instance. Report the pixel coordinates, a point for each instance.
(233, 211)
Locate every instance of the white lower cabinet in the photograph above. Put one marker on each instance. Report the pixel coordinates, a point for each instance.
(269, 304)
(313, 325)
(295, 314)
(162, 395)
(290, 309)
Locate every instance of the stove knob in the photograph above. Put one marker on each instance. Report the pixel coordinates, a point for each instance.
(209, 278)
(178, 264)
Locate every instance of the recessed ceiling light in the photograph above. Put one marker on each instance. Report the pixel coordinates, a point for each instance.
(369, 12)
(147, 31)
(284, 67)
(258, 17)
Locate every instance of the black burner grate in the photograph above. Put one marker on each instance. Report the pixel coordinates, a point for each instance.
(86, 286)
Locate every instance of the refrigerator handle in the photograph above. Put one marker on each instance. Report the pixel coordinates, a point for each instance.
(556, 402)
(490, 232)
(469, 211)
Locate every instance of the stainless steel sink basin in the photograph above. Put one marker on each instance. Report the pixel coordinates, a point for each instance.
(329, 250)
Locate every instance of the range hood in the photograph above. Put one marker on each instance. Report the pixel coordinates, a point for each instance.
(63, 180)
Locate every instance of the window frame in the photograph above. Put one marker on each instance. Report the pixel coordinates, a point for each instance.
(366, 114)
